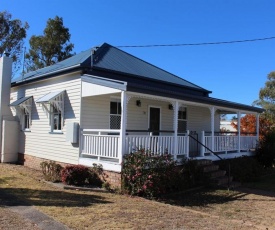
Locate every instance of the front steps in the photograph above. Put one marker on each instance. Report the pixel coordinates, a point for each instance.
(216, 176)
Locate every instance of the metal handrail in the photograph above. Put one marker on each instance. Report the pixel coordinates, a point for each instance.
(229, 168)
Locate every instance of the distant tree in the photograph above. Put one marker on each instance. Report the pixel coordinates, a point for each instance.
(12, 34)
(248, 124)
(267, 97)
(51, 47)
(234, 118)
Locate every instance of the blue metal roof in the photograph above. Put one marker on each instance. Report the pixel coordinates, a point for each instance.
(110, 58)
(80, 59)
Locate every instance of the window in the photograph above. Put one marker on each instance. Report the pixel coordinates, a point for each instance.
(23, 108)
(56, 119)
(115, 114)
(53, 104)
(182, 120)
(26, 120)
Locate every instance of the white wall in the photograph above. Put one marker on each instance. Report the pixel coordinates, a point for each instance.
(96, 111)
(39, 142)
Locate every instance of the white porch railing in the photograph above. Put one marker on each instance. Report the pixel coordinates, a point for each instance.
(105, 143)
(222, 143)
(229, 143)
(248, 142)
(100, 143)
(157, 144)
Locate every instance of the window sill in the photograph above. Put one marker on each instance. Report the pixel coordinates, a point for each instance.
(26, 130)
(56, 132)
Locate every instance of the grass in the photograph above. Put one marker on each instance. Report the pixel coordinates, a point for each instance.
(203, 209)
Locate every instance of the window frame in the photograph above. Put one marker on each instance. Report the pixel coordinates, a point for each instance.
(182, 109)
(56, 111)
(26, 120)
(117, 114)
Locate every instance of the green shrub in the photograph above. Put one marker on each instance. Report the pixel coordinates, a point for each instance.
(243, 169)
(51, 171)
(81, 175)
(265, 152)
(148, 175)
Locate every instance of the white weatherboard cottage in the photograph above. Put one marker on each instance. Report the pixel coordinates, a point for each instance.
(103, 103)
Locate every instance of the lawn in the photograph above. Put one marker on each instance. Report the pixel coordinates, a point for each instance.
(203, 209)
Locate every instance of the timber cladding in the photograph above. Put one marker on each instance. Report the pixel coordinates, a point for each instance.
(113, 178)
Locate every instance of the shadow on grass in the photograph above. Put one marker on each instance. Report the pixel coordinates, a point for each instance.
(252, 189)
(26, 197)
(203, 197)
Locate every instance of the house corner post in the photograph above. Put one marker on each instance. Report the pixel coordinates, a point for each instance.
(176, 109)
(123, 125)
(239, 131)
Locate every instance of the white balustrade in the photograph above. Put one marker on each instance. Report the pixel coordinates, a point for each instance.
(154, 144)
(229, 143)
(100, 143)
(248, 142)
(105, 143)
(157, 144)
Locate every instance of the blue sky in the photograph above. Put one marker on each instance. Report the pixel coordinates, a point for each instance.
(234, 72)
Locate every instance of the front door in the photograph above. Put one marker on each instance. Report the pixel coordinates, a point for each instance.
(154, 120)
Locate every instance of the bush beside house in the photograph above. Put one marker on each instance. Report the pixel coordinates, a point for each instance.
(265, 152)
(148, 175)
(73, 174)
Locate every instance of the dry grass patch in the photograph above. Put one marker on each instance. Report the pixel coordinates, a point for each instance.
(96, 210)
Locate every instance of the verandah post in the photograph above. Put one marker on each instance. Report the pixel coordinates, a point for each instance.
(239, 131)
(122, 126)
(212, 110)
(202, 150)
(176, 109)
(187, 143)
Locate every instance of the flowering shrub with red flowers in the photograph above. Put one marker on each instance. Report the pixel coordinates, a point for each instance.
(148, 175)
(81, 175)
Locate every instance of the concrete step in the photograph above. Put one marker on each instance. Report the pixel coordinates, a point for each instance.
(204, 162)
(217, 174)
(220, 181)
(210, 168)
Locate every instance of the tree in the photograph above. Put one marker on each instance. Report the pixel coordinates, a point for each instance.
(50, 48)
(12, 34)
(248, 124)
(267, 97)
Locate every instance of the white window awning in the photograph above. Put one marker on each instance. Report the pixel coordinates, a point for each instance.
(21, 101)
(50, 97)
(23, 106)
(55, 99)
(24, 103)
